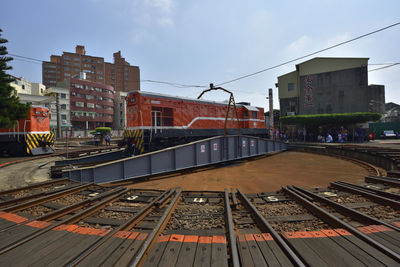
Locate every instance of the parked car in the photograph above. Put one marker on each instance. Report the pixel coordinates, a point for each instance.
(389, 134)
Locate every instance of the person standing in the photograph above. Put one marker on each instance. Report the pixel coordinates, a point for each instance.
(329, 138)
(108, 140)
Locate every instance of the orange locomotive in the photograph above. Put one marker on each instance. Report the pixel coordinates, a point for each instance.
(29, 136)
(162, 120)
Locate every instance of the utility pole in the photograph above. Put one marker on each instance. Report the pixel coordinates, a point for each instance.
(271, 114)
(58, 115)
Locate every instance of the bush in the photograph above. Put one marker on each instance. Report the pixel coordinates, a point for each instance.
(335, 118)
(102, 130)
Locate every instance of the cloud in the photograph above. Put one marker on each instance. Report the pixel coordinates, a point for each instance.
(299, 45)
(149, 16)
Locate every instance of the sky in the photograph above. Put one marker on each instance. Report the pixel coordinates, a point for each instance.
(202, 42)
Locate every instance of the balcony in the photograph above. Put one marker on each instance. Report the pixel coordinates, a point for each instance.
(91, 119)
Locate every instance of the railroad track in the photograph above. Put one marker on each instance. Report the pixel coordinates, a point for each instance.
(62, 223)
(71, 154)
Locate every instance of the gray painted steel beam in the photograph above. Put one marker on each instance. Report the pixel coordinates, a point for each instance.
(196, 154)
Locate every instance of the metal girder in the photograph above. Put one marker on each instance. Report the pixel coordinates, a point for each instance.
(196, 154)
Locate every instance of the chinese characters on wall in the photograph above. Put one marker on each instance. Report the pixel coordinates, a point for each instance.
(308, 98)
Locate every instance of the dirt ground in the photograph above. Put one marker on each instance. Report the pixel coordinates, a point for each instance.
(266, 174)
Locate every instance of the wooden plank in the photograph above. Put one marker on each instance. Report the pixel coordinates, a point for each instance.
(330, 251)
(367, 248)
(277, 251)
(115, 255)
(15, 234)
(49, 252)
(244, 252)
(351, 248)
(157, 251)
(256, 255)
(292, 218)
(188, 251)
(131, 251)
(203, 252)
(303, 250)
(266, 251)
(219, 255)
(97, 257)
(30, 249)
(171, 252)
(104, 221)
(5, 224)
(68, 252)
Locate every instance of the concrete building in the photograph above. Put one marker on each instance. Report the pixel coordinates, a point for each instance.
(329, 85)
(21, 86)
(36, 100)
(91, 104)
(38, 89)
(64, 102)
(120, 74)
(120, 110)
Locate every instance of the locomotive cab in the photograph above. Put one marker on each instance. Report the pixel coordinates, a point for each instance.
(29, 136)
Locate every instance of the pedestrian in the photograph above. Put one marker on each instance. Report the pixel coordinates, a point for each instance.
(132, 147)
(108, 140)
(329, 138)
(96, 140)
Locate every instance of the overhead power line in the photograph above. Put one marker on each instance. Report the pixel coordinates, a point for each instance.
(178, 85)
(308, 55)
(394, 64)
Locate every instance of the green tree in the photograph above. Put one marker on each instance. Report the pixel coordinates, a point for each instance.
(11, 109)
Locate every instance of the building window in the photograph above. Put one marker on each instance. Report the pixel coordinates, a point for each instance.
(63, 116)
(23, 87)
(79, 104)
(291, 87)
(67, 57)
(63, 96)
(254, 114)
(63, 106)
(89, 97)
(90, 105)
(67, 75)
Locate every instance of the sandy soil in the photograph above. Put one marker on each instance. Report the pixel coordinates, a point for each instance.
(266, 174)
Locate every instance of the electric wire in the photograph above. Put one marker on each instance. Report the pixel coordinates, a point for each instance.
(381, 68)
(179, 85)
(308, 55)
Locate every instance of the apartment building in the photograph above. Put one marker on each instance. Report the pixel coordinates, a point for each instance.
(119, 74)
(91, 104)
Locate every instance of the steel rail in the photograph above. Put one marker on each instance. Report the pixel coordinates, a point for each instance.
(379, 192)
(379, 179)
(66, 210)
(37, 195)
(150, 240)
(231, 231)
(376, 198)
(359, 215)
(336, 222)
(36, 185)
(234, 199)
(82, 214)
(79, 258)
(43, 199)
(263, 223)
